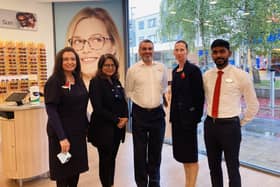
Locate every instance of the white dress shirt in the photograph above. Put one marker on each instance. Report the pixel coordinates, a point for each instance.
(145, 84)
(235, 85)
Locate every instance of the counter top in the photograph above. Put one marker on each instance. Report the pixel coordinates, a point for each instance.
(10, 108)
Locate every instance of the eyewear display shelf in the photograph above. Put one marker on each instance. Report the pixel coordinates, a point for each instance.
(22, 65)
(24, 141)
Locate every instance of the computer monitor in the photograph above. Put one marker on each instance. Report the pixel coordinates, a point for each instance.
(16, 97)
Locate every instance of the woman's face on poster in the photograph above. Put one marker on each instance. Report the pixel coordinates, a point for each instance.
(90, 39)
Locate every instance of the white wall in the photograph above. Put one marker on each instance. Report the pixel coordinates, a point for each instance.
(44, 33)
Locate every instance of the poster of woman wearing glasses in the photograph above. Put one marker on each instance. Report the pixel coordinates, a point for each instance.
(92, 29)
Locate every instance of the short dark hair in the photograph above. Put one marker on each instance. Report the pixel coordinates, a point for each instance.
(182, 41)
(220, 43)
(145, 41)
(101, 62)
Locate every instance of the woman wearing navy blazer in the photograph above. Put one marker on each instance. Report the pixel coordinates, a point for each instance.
(66, 99)
(186, 111)
(109, 117)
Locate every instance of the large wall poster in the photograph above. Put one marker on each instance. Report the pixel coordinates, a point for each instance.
(92, 29)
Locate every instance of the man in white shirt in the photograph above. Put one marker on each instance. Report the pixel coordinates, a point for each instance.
(146, 82)
(222, 127)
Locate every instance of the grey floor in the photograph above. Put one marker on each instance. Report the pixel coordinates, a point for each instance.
(172, 172)
(260, 144)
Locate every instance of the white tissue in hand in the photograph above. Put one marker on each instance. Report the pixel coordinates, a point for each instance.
(64, 157)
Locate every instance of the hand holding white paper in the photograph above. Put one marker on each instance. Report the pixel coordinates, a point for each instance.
(64, 157)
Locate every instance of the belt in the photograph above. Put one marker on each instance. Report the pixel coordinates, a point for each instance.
(223, 120)
(147, 109)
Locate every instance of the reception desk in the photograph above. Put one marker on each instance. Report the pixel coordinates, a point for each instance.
(24, 141)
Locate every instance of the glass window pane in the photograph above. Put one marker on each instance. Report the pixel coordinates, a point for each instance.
(260, 58)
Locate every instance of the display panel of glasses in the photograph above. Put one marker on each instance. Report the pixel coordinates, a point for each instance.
(22, 64)
(2, 59)
(42, 74)
(22, 59)
(10, 58)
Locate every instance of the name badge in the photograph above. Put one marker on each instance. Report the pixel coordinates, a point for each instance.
(229, 80)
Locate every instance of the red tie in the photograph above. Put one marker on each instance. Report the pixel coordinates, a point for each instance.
(216, 96)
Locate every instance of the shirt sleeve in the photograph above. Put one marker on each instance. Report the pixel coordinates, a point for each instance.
(252, 103)
(52, 101)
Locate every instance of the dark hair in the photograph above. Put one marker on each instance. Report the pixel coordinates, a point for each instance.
(182, 41)
(58, 70)
(26, 15)
(20, 14)
(220, 43)
(101, 63)
(145, 41)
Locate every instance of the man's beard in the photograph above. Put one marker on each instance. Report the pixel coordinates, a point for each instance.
(221, 65)
(147, 59)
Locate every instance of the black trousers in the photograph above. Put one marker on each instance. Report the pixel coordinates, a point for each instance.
(223, 135)
(148, 128)
(71, 181)
(107, 162)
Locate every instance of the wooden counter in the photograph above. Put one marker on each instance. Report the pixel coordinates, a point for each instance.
(24, 141)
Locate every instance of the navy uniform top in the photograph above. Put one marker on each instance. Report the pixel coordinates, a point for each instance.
(66, 108)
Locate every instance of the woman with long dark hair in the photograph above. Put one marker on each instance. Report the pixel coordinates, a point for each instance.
(66, 101)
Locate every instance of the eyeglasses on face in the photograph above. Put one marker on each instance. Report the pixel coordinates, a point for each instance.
(95, 42)
(68, 59)
(109, 65)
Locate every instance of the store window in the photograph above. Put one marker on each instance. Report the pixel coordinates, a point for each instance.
(152, 38)
(141, 25)
(140, 38)
(152, 22)
(261, 137)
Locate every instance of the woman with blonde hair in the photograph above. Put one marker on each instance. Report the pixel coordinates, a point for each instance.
(92, 33)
